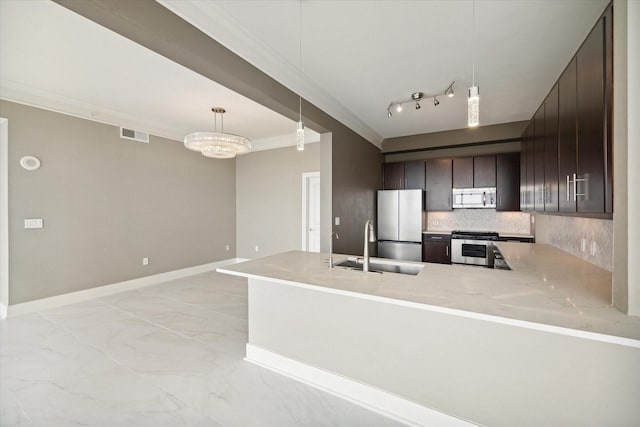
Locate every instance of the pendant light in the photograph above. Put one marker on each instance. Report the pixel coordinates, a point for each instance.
(300, 127)
(473, 107)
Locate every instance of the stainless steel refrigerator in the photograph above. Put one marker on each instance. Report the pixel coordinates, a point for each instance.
(400, 224)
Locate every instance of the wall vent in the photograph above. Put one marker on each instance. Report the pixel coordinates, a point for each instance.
(134, 135)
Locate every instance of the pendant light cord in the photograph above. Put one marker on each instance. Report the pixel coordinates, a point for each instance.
(300, 57)
(473, 45)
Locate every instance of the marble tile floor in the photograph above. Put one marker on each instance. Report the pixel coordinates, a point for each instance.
(164, 355)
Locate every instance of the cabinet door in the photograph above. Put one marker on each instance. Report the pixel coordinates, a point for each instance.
(436, 249)
(463, 172)
(508, 182)
(567, 137)
(591, 114)
(484, 171)
(538, 172)
(523, 170)
(551, 151)
(393, 176)
(530, 163)
(414, 175)
(439, 180)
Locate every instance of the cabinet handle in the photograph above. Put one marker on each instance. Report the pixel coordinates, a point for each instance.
(568, 192)
(447, 248)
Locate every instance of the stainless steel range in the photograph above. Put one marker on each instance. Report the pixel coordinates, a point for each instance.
(473, 247)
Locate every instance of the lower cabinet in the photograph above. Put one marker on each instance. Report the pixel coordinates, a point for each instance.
(436, 248)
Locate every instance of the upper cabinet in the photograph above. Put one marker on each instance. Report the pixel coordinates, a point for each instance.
(463, 172)
(478, 172)
(550, 193)
(484, 171)
(403, 176)
(439, 180)
(393, 176)
(568, 154)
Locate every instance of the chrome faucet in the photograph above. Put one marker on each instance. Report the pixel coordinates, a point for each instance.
(369, 236)
(333, 233)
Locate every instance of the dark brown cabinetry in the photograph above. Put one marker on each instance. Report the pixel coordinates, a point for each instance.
(567, 136)
(591, 110)
(393, 176)
(463, 172)
(403, 176)
(484, 171)
(507, 183)
(538, 162)
(438, 184)
(550, 193)
(436, 248)
(567, 147)
(414, 175)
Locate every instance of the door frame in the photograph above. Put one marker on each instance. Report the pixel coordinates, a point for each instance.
(306, 177)
(4, 217)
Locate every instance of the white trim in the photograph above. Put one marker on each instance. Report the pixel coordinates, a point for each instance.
(4, 216)
(560, 330)
(101, 291)
(305, 214)
(372, 398)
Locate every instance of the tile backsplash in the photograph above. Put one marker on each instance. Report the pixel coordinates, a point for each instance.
(587, 238)
(480, 220)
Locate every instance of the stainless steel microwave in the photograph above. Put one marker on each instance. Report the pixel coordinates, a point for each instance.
(474, 198)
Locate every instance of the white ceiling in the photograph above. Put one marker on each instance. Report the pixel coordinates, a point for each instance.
(54, 58)
(358, 56)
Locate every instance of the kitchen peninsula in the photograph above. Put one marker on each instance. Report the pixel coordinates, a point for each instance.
(493, 347)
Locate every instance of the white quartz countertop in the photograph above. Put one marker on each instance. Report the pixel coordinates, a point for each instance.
(546, 286)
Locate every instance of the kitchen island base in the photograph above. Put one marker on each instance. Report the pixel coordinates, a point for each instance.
(479, 369)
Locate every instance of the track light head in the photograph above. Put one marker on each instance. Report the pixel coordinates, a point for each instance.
(435, 102)
(418, 105)
(399, 108)
(449, 91)
(389, 113)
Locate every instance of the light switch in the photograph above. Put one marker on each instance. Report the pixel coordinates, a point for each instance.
(337, 220)
(33, 223)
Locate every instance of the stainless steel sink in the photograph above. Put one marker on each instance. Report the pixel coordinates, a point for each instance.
(380, 265)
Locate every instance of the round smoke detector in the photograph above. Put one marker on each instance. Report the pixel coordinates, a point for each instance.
(30, 163)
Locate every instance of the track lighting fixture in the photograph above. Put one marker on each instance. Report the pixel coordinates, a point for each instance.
(449, 91)
(416, 97)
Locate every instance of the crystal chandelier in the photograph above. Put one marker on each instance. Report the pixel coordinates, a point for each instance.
(217, 145)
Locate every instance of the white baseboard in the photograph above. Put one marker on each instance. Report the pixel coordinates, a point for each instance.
(372, 398)
(101, 291)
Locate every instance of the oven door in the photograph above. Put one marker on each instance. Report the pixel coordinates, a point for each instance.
(473, 252)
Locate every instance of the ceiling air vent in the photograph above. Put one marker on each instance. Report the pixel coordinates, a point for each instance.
(134, 135)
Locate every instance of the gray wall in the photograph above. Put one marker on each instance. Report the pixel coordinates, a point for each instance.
(355, 162)
(357, 170)
(269, 199)
(107, 203)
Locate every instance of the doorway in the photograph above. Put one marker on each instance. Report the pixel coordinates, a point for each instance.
(311, 211)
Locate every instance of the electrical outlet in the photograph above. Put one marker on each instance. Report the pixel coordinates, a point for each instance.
(33, 223)
(227, 247)
(593, 248)
(583, 245)
(337, 220)
(257, 248)
(145, 261)
(533, 219)
(435, 222)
